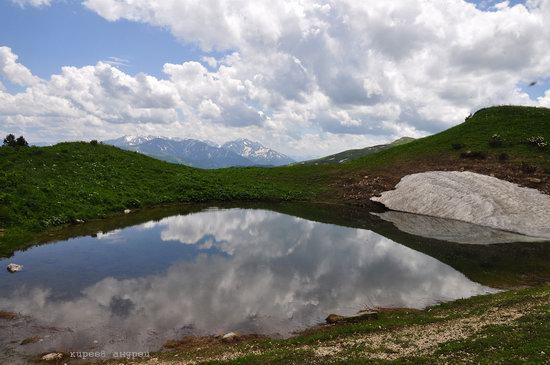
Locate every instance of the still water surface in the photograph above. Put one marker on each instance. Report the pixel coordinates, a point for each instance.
(211, 272)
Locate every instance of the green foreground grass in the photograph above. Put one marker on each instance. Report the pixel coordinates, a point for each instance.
(45, 187)
(505, 328)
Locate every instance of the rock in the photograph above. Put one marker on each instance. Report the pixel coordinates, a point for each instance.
(14, 268)
(52, 356)
(334, 318)
(126, 211)
(534, 180)
(360, 317)
(230, 337)
(79, 221)
(473, 198)
(30, 340)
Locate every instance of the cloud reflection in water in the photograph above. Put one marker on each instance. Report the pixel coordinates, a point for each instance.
(253, 271)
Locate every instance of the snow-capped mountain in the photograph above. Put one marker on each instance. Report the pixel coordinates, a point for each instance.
(204, 154)
(130, 141)
(257, 153)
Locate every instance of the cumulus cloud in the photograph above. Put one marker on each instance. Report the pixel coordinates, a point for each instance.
(301, 75)
(545, 100)
(13, 71)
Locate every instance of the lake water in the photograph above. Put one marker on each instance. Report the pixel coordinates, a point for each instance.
(210, 272)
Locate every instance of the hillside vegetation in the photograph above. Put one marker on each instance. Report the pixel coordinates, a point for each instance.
(44, 187)
(350, 155)
(514, 124)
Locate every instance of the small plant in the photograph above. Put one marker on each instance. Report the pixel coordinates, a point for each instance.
(496, 140)
(474, 155)
(457, 146)
(538, 141)
(527, 168)
(503, 157)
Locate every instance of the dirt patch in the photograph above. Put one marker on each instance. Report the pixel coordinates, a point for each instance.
(8, 315)
(191, 342)
(417, 340)
(360, 187)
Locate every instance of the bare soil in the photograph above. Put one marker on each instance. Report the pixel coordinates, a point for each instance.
(358, 190)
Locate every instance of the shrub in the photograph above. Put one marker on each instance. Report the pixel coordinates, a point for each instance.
(474, 155)
(527, 168)
(94, 142)
(11, 141)
(496, 140)
(21, 142)
(538, 141)
(503, 157)
(457, 146)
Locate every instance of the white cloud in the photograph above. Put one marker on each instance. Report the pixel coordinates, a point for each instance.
(308, 77)
(13, 71)
(545, 100)
(35, 3)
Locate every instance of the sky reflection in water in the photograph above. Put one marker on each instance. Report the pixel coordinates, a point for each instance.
(213, 272)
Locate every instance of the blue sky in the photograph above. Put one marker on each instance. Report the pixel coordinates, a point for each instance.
(286, 89)
(67, 34)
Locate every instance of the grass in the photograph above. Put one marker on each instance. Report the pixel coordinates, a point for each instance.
(513, 123)
(504, 328)
(355, 154)
(45, 187)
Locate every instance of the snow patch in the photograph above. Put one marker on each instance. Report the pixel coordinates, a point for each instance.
(473, 198)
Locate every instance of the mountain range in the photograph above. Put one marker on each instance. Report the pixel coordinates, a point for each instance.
(203, 154)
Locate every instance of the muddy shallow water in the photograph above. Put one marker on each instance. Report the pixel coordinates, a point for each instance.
(209, 272)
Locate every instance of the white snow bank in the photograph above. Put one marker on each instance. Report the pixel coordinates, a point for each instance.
(473, 198)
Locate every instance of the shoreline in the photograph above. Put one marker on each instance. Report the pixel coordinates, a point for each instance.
(480, 326)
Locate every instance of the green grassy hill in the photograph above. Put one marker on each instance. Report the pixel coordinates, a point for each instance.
(514, 124)
(350, 155)
(44, 187)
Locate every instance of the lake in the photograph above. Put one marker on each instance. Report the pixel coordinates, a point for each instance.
(211, 272)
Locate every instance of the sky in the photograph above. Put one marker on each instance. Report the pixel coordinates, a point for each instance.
(306, 77)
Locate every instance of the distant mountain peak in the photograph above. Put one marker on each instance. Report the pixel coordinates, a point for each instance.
(206, 154)
(257, 152)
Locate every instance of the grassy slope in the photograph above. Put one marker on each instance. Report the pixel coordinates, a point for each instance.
(42, 187)
(515, 124)
(355, 154)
